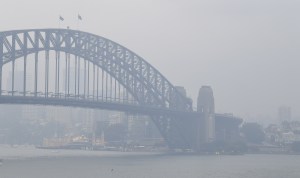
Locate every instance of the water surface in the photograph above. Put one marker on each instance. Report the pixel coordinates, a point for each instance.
(27, 162)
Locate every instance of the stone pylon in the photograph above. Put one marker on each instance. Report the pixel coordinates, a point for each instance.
(206, 124)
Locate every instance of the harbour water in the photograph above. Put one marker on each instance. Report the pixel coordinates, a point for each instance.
(28, 162)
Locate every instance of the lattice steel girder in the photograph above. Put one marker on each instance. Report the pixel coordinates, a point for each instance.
(142, 80)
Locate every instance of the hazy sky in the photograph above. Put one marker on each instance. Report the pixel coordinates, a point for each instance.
(247, 50)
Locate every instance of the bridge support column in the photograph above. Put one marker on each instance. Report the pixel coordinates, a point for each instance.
(205, 124)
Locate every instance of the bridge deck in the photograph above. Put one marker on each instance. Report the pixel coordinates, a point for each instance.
(75, 102)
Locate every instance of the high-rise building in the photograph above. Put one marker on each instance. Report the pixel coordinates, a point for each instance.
(181, 90)
(16, 79)
(284, 113)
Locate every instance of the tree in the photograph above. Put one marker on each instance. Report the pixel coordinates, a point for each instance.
(253, 132)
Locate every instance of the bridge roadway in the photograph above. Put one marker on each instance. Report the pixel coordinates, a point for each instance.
(93, 103)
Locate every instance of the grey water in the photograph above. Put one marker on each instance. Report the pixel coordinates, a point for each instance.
(28, 162)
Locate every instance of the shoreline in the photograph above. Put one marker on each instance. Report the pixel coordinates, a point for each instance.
(29, 152)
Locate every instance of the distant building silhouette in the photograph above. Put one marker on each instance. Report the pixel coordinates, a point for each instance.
(18, 81)
(181, 90)
(284, 113)
(227, 128)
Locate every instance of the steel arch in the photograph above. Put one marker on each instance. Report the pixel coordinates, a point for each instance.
(144, 82)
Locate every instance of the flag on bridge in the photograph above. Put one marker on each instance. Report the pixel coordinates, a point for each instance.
(61, 18)
(79, 17)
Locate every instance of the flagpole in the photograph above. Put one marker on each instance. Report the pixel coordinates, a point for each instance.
(77, 22)
(79, 18)
(60, 19)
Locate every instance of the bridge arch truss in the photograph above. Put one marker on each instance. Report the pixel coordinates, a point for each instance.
(146, 84)
(96, 59)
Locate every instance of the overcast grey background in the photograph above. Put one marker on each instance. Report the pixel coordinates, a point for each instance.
(247, 50)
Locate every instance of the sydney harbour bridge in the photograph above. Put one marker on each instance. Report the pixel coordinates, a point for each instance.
(79, 69)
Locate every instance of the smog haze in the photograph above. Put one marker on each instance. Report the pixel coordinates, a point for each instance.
(247, 51)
